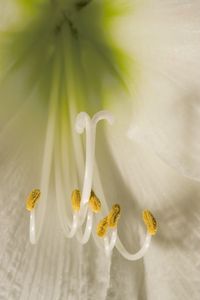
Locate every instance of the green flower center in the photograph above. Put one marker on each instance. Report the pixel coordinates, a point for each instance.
(77, 35)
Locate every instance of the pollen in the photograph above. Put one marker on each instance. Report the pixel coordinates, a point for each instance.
(76, 200)
(150, 222)
(114, 215)
(102, 227)
(32, 199)
(94, 203)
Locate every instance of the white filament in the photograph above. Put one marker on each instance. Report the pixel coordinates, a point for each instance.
(120, 247)
(83, 121)
(46, 167)
(115, 242)
(84, 237)
(109, 245)
(68, 229)
(40, 209)
(32, 234)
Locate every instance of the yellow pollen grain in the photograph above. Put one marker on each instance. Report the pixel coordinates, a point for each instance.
(150, 222)
(102, 227)
(76, 200)
(32, 199)
(114, 215)
(94, 203)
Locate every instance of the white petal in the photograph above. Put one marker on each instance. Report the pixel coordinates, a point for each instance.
(164, 37)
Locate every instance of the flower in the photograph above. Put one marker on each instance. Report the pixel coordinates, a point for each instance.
(153, 93)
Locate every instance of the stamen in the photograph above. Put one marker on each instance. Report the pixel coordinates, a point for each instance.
(83, 121)
(150, 222)
(76, 200)
(32, 199)
(102, 227)
(80, 203)
(114, 216)
(36, 229)
(87, 203)
(94, 203)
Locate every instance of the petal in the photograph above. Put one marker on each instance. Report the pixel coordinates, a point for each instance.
(164, 37)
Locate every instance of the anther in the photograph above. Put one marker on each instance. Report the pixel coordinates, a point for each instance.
(76, 200)
(32, 199)
(102, 227)
(94, 203)
(150, 222)
(114, 216)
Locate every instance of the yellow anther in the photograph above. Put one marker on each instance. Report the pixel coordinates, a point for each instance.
(76, 200)
(150, 222)
(114, 215)
(94, 203)
(102, 227)
(32, 199)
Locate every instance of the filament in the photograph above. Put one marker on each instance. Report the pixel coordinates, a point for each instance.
(83, 238)
(120, 247)
(46, 166)
(110, 244)
(70, 229)
(83, 121)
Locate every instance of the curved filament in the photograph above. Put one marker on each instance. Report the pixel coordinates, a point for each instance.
(84, 237)
(120, 247)
(83, 121)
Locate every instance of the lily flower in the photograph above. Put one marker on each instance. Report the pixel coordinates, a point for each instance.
(132, 62)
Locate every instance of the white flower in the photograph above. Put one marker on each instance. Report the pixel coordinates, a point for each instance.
(57, 59)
